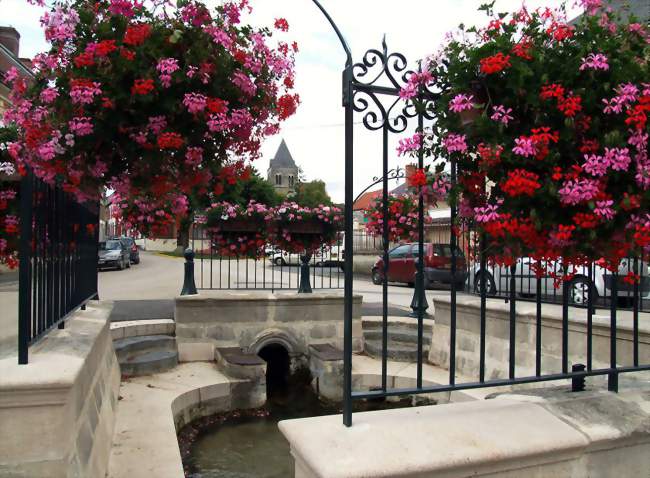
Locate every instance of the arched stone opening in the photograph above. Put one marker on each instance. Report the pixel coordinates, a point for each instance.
(278, 368)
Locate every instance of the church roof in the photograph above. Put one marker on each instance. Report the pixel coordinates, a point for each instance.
(283, 158)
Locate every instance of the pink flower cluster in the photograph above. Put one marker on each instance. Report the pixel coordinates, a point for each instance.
(244, 83)
(502, 114)
(195, 102)
(594, 61)
(455, 142)
(84, 92)
(524, 147)
(410, 90)
(166, 67)
(409, 145)
(81, 126)
(578, 190)
(626, 94)
(461, 102)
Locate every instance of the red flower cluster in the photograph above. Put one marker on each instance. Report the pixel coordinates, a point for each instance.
(282, 25)
(142, 87)
(523, 49)
(84, 59)
(105, 48)
(569, 104)
(586, 220)
(495, 63)
(170, 141)
(560, 31)
(490, 155)
(638, 115)
(521, 182)
(136, 34)
(417, 179)
(542, 137)
(287, 106)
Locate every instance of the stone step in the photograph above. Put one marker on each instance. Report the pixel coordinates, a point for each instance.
(399, 353)
(396, 323)
(399, 336)
(149, 363)
(132, 328)
(131, 347)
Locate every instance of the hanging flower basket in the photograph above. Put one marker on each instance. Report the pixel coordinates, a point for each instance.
(557, 167)
(402, 218)
(239, 231)
(301, 229)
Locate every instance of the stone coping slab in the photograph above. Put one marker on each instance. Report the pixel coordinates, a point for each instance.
(549, 436)
(553, 312)
(220, 296)
(238, 356)
(55, 362)
(326, 352)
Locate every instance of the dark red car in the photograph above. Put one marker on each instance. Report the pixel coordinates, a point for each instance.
(437, 265)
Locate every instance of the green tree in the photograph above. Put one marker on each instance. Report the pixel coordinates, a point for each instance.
(254, 189)
(312, 194)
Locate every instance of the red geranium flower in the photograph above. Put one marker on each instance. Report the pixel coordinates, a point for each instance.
(495, 63)
(142, 87)
(418, 178)
(521, 182)
(282, 25)
(137, 34)
(170, 141)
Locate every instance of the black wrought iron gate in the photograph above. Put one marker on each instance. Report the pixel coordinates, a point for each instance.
(372, 88)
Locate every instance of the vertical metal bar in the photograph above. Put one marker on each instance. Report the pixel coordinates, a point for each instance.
(24, 271)
(565, 321)
(384, 289)
(349, 196)
(590, 315)
(452, 244)
(420, 263)
(538, 322)
(483, 292)
(513, 320)
(612, 383)
(635, 313)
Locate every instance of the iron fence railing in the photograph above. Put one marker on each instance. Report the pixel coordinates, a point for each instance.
(57, 257)
(372, 88)
(274, 270)
(592, 279)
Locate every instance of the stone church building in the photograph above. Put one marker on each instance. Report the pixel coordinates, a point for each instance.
(283, 171)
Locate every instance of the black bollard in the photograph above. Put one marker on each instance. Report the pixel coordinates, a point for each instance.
(305, 285)
(419, 286)
(189, 286)
(578, 383)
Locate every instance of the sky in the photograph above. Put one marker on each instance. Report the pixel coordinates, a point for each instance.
(315, 134)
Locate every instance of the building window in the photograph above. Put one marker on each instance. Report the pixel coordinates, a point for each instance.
(278, 180)
(290, 181)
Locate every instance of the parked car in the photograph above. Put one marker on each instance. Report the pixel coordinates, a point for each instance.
(437, 265)
(132, 247)
(497, 280)
(113, 253)
(283, 258)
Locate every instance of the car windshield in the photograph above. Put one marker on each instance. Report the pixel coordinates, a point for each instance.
(445, 251)
(110, 246)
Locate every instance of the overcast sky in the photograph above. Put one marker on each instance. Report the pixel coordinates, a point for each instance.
(315, 134)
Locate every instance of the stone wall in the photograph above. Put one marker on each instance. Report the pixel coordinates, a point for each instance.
(253, 319)
(548, 433)
(498, 337)
(57, 413)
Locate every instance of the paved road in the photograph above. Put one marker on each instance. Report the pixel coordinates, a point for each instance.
(147, 290)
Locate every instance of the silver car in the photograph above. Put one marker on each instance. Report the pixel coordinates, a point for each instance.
(497, 280)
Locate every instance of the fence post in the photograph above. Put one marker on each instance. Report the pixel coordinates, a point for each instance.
(305, 285)
(189, 286)
(25, 266)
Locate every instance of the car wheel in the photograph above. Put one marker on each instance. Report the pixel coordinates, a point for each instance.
(490, 286)
(320, 264)
(579, 290)
(120, 266)
(279, 261)
(376, 277)
(128, 263)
